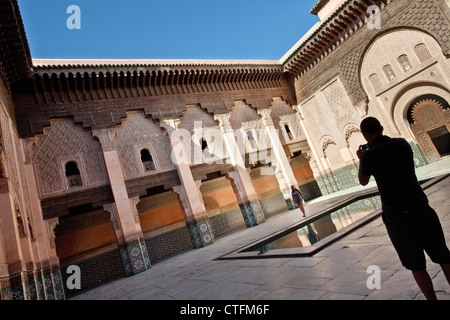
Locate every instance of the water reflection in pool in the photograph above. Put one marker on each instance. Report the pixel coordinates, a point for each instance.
(324, 226)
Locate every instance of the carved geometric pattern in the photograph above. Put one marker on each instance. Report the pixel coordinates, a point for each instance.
(339, 103)
(195, 114)
(426, 115)
(136, 131)
(242, 113)
(282, 113)
(62, 140)
(313, 113)
(349, 66)
(422, 14)
(293, 122)
(197, 121)
(422, 52)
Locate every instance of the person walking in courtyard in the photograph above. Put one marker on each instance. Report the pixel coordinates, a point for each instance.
(297, 196)
(412, 225)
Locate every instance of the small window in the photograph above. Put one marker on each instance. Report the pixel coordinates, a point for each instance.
(203, 144)
(422, 52)
(147, 160)
(289, 133)
(389, 71)
(73, 175)
(404, 62)
(251, 139)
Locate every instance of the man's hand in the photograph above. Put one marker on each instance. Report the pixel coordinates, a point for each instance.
(361, 151)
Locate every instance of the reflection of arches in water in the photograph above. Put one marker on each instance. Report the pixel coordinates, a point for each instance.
(428, 116)
(324, 226)
(312, 236)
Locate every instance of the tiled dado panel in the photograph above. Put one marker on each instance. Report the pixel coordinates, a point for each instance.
(34, 285)
(96, 270)
(227, 222)
(341, 179)
(274, 205)
(169, 243)
(419, 158)
(310, 190)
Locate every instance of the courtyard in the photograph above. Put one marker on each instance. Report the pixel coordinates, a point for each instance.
(338, 272)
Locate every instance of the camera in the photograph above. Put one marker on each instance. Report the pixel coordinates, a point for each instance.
(364, 147)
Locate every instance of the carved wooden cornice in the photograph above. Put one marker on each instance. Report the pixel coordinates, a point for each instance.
(90, 83)
(15, 57)
(339, 26)
(319, 5)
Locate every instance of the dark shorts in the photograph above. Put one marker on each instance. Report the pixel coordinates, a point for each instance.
(414, 232)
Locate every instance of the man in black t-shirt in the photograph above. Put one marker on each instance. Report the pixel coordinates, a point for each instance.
(413, 226)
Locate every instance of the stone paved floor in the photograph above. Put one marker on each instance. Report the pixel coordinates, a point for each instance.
(339, 272)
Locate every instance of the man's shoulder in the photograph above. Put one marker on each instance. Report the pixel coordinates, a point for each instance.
(399, 141)
(388, 141)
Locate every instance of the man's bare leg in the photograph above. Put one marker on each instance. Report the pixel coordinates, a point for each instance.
(425, 284)
(446, 270)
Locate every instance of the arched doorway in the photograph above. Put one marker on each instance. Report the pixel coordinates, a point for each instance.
(429, 119)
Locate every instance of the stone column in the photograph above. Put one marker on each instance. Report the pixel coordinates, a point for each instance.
(47, 264)
(241, 181)
(316, 165)
(4, 274)
(123, 213)
(13, 286)
(284, 173)
(189, 195)
(325, 226)
(52, 272)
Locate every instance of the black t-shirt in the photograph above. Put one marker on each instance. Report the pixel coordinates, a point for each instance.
(391, 162)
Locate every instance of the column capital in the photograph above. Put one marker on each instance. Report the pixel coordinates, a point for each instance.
(170, 124)
(51, 225)
(106, 138)
(182, 198)
(266, 116)
(28, 144)
(224, 121)
(113, 216)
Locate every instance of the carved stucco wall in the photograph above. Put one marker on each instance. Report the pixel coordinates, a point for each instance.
(426, 15)
(282, 114)
(201, 125)
(428, 73)
(14, 170)
(66, 141)
(136, 133)
(332, 123)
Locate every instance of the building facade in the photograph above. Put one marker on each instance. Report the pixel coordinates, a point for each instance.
(113, 165)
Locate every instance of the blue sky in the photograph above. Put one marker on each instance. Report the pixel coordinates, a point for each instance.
(170, 29)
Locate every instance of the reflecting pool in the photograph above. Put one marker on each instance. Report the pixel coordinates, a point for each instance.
(322, 227)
